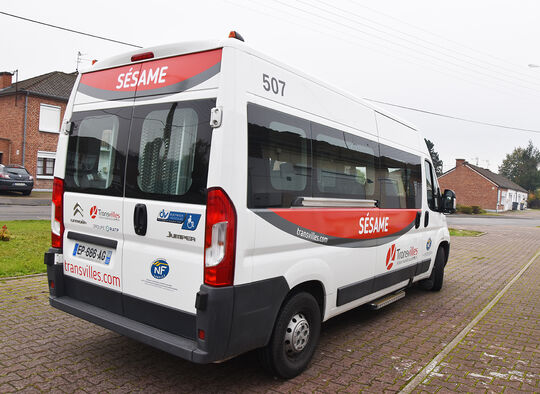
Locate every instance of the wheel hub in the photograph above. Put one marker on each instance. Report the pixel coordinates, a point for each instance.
(296, 334)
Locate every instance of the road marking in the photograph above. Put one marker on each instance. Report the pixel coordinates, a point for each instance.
(448, 348)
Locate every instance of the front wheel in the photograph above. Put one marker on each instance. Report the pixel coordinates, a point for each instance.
(295, 337)
(435, 281)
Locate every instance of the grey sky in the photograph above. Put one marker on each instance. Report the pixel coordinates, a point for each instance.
(462, 58)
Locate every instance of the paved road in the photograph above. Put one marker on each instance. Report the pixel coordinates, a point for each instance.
(24, 212)
(44, 349)
(521, 219)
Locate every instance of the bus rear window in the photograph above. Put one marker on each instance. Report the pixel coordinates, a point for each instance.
(96, 151)
(169, 151)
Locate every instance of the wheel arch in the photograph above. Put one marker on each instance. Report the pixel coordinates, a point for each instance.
(446, 247)
(313, 287)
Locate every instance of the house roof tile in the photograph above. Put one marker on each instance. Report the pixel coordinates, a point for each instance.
(53, 84)
(499, 180)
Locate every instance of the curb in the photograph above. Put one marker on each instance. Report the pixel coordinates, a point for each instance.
(22, 276)
(22, 201)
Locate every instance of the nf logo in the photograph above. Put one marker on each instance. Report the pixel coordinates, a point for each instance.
(77, 209)
(391, 257)
(159, 269)
(93, 212)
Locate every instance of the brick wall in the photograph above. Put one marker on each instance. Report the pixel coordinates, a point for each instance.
(470, 187)
(12, 127)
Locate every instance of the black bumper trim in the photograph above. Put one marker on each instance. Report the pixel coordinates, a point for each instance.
(170, 343)
(363, 288)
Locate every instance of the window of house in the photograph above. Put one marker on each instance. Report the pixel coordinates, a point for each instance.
(49, 118)
(45, 164)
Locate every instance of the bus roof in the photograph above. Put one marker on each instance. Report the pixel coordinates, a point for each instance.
(182, 48)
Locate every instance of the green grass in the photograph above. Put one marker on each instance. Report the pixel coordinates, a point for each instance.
(23, 254)
(463, 233)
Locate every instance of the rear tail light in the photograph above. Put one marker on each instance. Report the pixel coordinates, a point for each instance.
(4, 176)
(219, 239)
(142, 56)
(57, 207)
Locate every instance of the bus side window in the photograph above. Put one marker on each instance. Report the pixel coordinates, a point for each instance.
(399, 177)
(344, 164)
(279, 158)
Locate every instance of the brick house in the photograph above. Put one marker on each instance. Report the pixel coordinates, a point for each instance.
(479, 186)
(30, 116)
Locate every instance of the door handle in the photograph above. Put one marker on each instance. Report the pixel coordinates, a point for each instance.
(426, 219)
(140, 219)
(417, 220)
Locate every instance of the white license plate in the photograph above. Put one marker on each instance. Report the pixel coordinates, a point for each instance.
(19, 184)
(92, 253)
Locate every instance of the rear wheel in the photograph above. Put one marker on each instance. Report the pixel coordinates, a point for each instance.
(26, 192)
(295, 337)
(435, 281)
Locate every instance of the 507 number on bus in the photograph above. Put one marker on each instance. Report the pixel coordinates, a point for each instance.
(274, 85)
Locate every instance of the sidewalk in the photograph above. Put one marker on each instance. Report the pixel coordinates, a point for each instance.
(360, 351)
(34, 199)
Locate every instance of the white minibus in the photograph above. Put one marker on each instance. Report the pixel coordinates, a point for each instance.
(209, 200)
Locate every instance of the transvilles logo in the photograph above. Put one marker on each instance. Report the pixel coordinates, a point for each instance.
(391, 257)
(77, 209)
(93, 212)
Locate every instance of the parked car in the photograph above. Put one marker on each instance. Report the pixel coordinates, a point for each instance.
(16, 178)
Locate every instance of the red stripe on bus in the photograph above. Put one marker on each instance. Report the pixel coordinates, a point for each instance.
(154, 74)
(352, 223)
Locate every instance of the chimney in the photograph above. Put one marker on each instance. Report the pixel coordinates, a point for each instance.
(5, 79)
(459, 162)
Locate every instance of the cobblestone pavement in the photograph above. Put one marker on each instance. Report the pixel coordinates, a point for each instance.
(44, 349)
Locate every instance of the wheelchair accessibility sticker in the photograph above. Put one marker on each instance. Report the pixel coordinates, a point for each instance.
(189, 221)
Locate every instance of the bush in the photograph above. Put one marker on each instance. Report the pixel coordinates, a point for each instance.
(477, 210)
(464, 209)
(534, 200)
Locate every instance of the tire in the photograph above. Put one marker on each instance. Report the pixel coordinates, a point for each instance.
(26, 192)
(435, 281)
(298, 319)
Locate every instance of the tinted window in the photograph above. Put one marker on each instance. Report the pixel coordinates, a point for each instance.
(431, 186)
(279, 158)
(169, 150)
(284, 155)
(96, 151)
(344, 164)
(400, 179)
(16, 171)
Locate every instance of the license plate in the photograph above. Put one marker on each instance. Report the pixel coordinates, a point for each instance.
(92, 253)
(19, 184)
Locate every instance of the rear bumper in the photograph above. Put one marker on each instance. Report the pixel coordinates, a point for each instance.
(7, 184)
(235, 319)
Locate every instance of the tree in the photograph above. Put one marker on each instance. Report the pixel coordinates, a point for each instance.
(521, 167)
(437, 162)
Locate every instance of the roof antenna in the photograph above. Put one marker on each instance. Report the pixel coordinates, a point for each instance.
(80, 59)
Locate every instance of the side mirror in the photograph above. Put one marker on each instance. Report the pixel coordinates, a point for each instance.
(448, 201)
